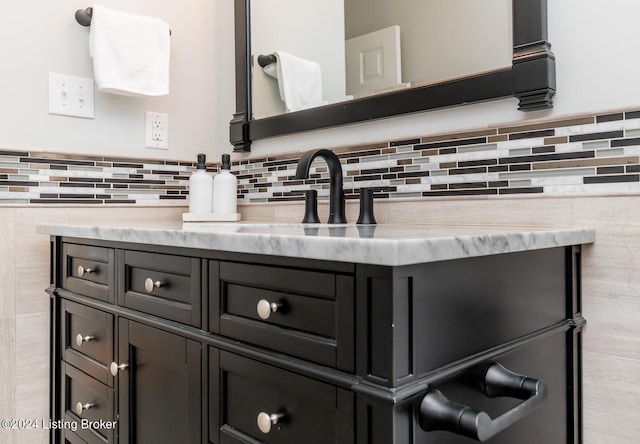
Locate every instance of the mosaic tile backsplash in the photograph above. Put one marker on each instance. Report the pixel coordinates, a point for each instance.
(591, 154)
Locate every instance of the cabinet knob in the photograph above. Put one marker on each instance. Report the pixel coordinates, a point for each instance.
(266, 308)
(80, 407)
(265, 421)
(82, 271)
(115, 368)
(150, 285)
(82, 339)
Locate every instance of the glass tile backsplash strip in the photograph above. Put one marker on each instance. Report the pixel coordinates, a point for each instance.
(589, 154)
(50, 178)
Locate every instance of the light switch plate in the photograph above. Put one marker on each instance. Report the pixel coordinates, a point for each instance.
(71, 96)
(157, 130)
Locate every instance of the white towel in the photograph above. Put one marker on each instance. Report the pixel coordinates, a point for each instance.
(130, 53)
(300, 82)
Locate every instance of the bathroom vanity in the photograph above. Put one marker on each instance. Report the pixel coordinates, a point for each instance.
(277, 333)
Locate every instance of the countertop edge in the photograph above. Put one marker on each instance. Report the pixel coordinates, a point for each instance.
(373, 251)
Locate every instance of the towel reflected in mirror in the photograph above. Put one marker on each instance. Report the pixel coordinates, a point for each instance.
(299, 81)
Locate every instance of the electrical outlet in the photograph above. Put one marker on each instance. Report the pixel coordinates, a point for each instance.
(157, 130)
(71, 96)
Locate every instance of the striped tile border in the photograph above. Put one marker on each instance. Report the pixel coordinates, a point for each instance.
(592, 154)
(583, 155)
(49, 178)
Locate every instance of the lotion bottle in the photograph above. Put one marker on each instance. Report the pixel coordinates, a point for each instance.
(225, 189)
(200, 188)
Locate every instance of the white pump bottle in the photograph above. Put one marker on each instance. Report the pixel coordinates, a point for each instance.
(225, 189)
(200, 188)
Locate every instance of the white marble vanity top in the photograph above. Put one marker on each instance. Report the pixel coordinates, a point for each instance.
(371, 244)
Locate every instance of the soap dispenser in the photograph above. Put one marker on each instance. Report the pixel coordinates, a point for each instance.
(225, 189)
(200, 188)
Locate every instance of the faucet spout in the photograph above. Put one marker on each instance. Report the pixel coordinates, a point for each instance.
(336, 192)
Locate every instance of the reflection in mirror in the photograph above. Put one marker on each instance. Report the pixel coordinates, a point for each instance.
(529, 76)
(312, 30)
(366, 47)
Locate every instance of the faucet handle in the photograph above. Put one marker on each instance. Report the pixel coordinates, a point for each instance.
(311, 207)
(366, 216)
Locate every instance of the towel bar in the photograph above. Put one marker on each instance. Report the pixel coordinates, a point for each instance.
(83, 16)
(264, 60)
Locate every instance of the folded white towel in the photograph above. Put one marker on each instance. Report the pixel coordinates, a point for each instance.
(130, 53)
(300, 82)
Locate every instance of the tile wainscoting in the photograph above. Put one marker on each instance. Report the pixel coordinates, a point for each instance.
(591, 154)
(597, 153)
(579, 171)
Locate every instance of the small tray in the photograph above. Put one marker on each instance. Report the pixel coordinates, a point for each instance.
(210, 217)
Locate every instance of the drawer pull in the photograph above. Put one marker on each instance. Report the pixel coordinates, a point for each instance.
(265, 421)
(150, 285)
(80, 407)
(115, 368)
(266, 308)
(82, 339)
(82, 271)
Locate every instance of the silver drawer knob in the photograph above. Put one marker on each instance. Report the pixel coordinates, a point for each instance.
(266, 308)
(114, 368)
(265, 421)
(82, 339)
(150, 285)
(80, 407)
(82, 271)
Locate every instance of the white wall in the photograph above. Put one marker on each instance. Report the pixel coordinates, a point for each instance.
(41, 36)
(596, 45)
(441, 39)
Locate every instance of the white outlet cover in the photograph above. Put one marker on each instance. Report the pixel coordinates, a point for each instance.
(156, 130)
(71, 96)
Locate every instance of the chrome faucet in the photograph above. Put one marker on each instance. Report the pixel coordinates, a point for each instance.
(336, 192)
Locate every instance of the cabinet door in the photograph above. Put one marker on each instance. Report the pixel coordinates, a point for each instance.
(159, 386)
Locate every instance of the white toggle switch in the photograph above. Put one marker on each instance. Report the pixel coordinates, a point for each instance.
(70, 96)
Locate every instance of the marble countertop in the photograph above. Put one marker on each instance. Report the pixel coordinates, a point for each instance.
(371, 244)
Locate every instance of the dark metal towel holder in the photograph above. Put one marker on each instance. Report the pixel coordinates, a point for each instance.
(83, 16)
(264, 60)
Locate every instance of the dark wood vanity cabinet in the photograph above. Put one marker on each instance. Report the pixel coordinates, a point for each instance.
(160, 390)
(197, 346)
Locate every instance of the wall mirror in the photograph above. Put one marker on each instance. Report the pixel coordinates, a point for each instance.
(445, 57)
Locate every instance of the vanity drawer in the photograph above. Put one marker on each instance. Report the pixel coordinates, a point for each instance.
(89, 404)
(308, 410)
(308, 314)
(87, 339)
(163, 285)
(89, 271)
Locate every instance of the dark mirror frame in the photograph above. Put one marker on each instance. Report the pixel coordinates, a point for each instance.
(531, 78)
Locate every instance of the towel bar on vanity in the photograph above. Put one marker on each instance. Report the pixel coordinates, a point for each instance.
(265, 60)
(83, 16)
